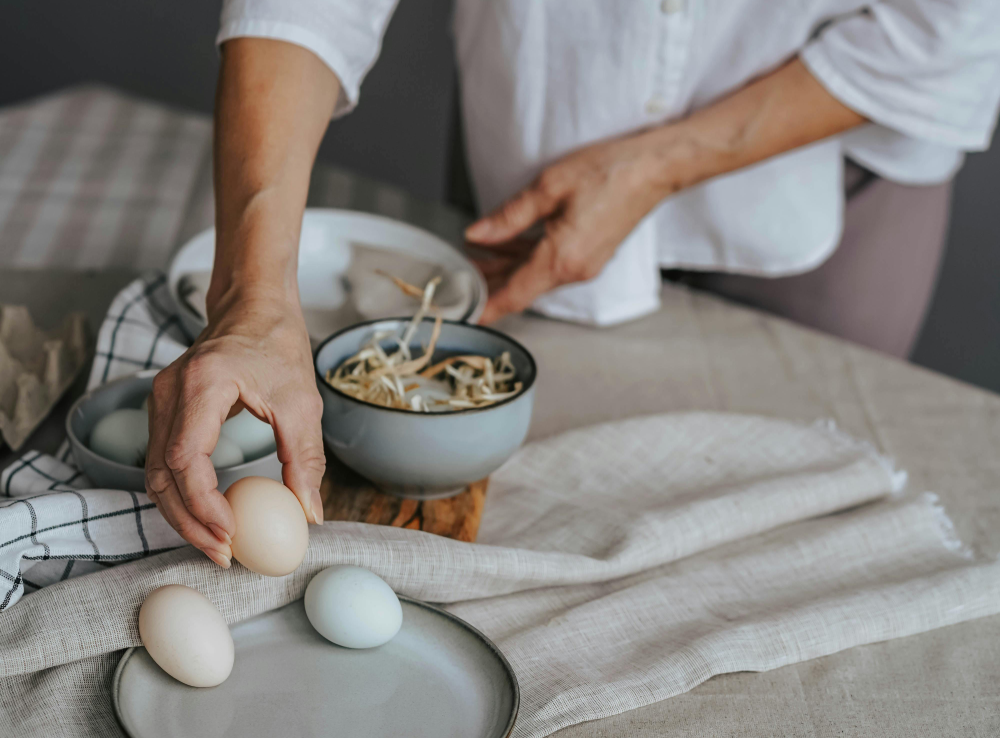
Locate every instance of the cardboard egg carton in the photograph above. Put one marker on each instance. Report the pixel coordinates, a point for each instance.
(36, 368)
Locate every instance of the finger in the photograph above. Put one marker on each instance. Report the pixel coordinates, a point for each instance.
(513, 217)
(520, 247)
(160, 484)
(160, 409)
(192, 530)
(202, 406)
(499, 265)
(299, 438)
(536, 277)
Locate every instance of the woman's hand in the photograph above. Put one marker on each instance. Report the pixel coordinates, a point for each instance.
(254, 354)
(273, 103)
(589, 202)
(593, 198)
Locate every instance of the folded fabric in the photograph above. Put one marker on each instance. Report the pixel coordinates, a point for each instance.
(617, 565)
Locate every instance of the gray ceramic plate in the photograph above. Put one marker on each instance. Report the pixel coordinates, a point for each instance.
(438, 677)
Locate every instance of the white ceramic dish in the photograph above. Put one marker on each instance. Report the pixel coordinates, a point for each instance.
(438, 678)
(325, 249)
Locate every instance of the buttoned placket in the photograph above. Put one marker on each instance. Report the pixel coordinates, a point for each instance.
(673, 20)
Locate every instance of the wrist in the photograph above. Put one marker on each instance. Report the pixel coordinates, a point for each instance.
(240, 297)
(256, 257)
(675, 160)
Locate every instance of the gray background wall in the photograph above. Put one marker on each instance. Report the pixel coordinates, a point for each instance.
(404, 132)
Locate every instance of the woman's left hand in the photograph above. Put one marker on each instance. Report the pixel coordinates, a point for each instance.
(589, 202)
(592, 199)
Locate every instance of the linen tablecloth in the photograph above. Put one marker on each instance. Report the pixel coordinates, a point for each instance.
(617, 565)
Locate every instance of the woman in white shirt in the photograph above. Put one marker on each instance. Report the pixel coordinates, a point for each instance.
(702, 135)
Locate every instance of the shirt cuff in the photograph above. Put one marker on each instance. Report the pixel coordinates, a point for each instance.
(350, 84)
(855, 96)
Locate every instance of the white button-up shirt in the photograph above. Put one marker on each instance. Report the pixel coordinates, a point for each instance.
(541, 78)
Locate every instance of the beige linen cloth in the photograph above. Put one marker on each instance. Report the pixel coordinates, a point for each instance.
(616, 566)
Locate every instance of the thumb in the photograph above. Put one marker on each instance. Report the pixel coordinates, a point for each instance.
(513, 217)
(299, 439)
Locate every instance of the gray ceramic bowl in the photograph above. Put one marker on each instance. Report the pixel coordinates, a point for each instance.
(130, 391)
(424, 455)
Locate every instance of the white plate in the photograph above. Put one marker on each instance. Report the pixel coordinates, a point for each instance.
(438, 678)
(325, 249)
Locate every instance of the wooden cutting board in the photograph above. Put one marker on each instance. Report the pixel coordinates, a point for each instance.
(348, 496)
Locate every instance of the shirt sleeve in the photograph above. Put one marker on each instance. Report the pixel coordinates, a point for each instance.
(345, 34)
(925, 68)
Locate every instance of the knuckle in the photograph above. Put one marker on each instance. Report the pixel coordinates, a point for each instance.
(176, 457)
(163, 385)
(314, 461)
(311, 406)
(188, 528)
(201, 368)
(549, 182)
(158, 480)
(570, 268)
(511, 210)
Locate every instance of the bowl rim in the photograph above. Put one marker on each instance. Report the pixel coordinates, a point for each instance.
(451, 413)
(77, 443)
(173, 274)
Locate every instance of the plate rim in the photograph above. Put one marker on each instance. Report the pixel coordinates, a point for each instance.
(490, 645)
(470, 316)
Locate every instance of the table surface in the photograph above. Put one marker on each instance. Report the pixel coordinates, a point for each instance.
(701, 353)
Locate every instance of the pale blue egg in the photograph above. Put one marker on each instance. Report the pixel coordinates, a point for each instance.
(122, 436)
(254, 437)
(353, 607)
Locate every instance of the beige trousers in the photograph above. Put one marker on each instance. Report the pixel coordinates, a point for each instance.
(875, 288)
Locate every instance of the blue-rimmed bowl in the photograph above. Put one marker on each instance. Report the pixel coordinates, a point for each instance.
(424, 455)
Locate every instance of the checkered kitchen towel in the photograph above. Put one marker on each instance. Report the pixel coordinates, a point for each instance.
(52, 524)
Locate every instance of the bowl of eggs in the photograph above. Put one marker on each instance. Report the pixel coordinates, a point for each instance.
(108, 430)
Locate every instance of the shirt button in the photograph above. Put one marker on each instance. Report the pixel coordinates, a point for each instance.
(672, 6)
(656, 105)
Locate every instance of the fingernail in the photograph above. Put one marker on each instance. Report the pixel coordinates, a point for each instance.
(220, 534)
(317, 510)
(219, 558)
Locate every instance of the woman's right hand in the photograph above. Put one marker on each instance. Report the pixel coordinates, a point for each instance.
(255, 354)
(273, 104)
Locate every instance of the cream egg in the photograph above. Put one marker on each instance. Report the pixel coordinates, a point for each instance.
(122, 436)
(254, 437)
(272, 533)
(353, 607)
(226, 454)
(186, 636)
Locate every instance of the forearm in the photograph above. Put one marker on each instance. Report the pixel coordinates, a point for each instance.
(782, 111)
(273, 104)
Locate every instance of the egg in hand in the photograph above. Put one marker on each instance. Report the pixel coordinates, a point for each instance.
(272, 532)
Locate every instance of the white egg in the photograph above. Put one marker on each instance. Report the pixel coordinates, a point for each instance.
(226, 454)
(254, 437)
(122, 436)
(186, 636)
(353, 607)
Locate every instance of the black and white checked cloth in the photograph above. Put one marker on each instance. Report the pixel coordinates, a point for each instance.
(53, 524)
